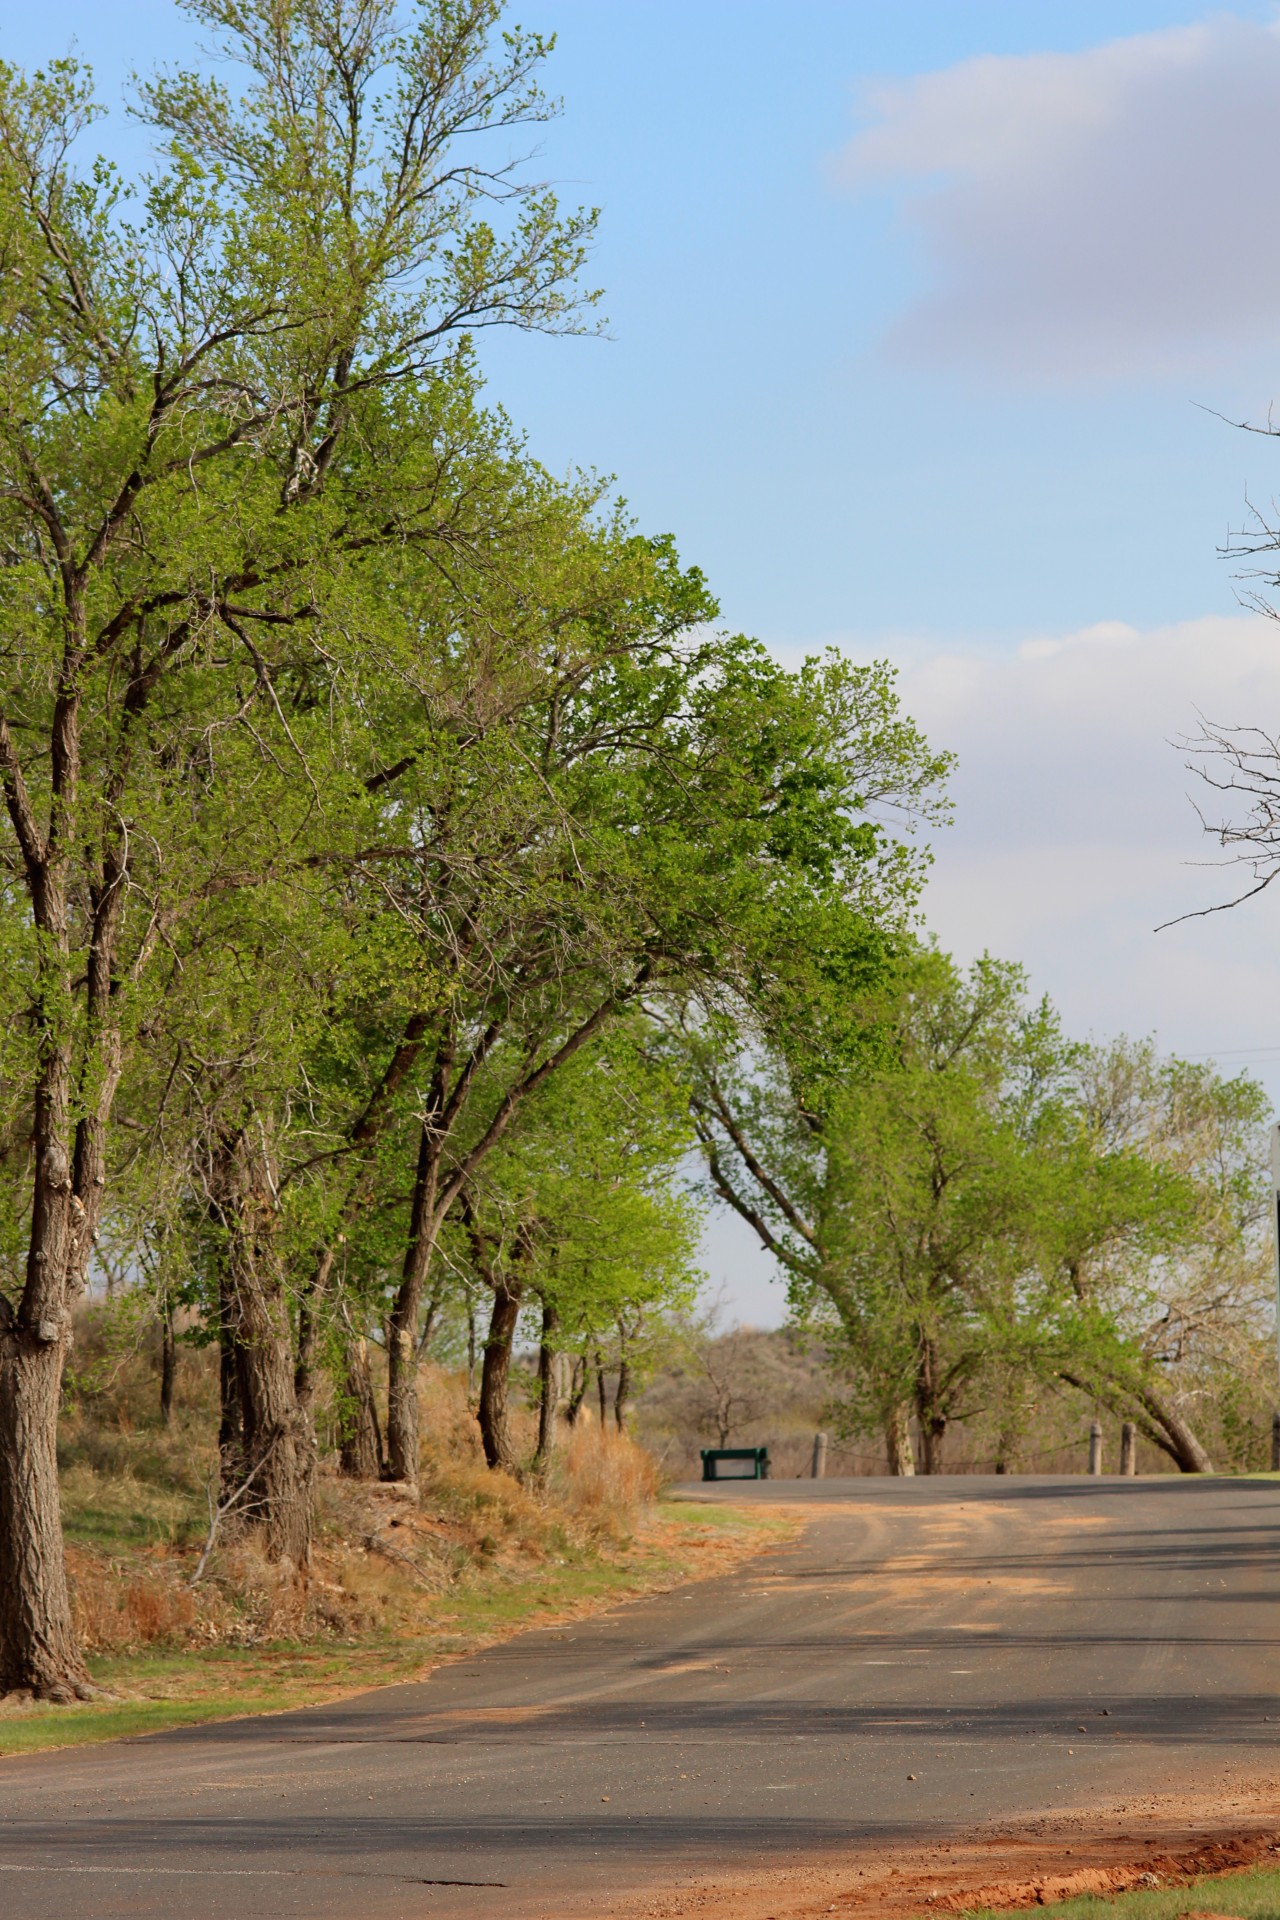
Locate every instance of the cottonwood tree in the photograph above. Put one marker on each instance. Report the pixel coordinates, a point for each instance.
(185, 373)
(941, 1202)
(323, 991)
(892, 1192)
(448, 857)
(700, 817)
(621, 1254)
(1195, 1302)
(580, 1214)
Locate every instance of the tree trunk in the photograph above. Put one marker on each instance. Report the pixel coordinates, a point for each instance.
(1166, 1426)
(549, 1387)
(602, 1392)
(39, 1653)
(932, 1421)
(622, 1395)
(1162, 1424)
(38, 1648)
(168, 1365)
(360, 1448)
(931, 1433)
(279, 1444)
(402, 1330)
(495, 1374)
(897, 1437)
(577, 1389)
(429, 1319)
(304, 1368)
(362, 1135)
(448, 1099)
(230, 1418)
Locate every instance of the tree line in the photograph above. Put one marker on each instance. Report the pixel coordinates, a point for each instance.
(404, 873)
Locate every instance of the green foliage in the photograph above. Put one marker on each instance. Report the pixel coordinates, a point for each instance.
(976, 1210)
(369, 791)
(395, 814)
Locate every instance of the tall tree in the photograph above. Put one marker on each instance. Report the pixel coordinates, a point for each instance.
(1192, 1301)
(582, 1211)
(185, 378)
(945, 1202)
(692, 819)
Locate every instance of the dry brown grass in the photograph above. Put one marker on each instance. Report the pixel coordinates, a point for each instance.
(384, 1563)
(603, 1479)
(118, 1607)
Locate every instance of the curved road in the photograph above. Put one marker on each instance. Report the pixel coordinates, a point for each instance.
(927, 1656)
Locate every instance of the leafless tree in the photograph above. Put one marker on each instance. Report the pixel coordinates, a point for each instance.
(1240, 764)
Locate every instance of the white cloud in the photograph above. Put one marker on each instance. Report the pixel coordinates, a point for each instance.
(1074, 836)
(1104, 213)
(1074, 839)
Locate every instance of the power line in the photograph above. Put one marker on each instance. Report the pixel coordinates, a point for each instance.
(1235, 1053)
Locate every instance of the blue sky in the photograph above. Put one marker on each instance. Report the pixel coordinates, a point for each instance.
(743, 400)
(915, 314)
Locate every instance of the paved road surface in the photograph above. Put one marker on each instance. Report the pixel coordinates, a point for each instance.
(1013, 1644)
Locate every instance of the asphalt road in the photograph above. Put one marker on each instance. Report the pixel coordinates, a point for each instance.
(928, 1655)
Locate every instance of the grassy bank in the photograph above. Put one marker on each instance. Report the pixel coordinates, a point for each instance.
(1253, 1894)
(1173, 1890)
(165, 1685)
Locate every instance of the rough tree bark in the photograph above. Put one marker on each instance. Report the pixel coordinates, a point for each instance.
(622, 1394)
(168, 1365)
(932, 1421)
(932, 1431)
(278, 1441)
(360, 1447)
(897, 1440)
(550, 1378)
(39, 1652)
(1173, 1434)
(495, 1375)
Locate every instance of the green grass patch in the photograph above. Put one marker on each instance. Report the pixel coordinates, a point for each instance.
(1253, 1894)
(119, 1513)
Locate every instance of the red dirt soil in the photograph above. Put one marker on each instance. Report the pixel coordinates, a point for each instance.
(1147, 1840)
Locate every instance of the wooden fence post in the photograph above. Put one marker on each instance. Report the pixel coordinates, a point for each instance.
(819, 1456)
(1095, 1447)
(1128, 1448)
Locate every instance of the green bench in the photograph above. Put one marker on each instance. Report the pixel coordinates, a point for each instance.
(735, 1463)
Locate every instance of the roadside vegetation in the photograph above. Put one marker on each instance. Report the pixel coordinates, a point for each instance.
(995, 1233)
(416, 909)
(173, 1634)
(1253, 1894)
